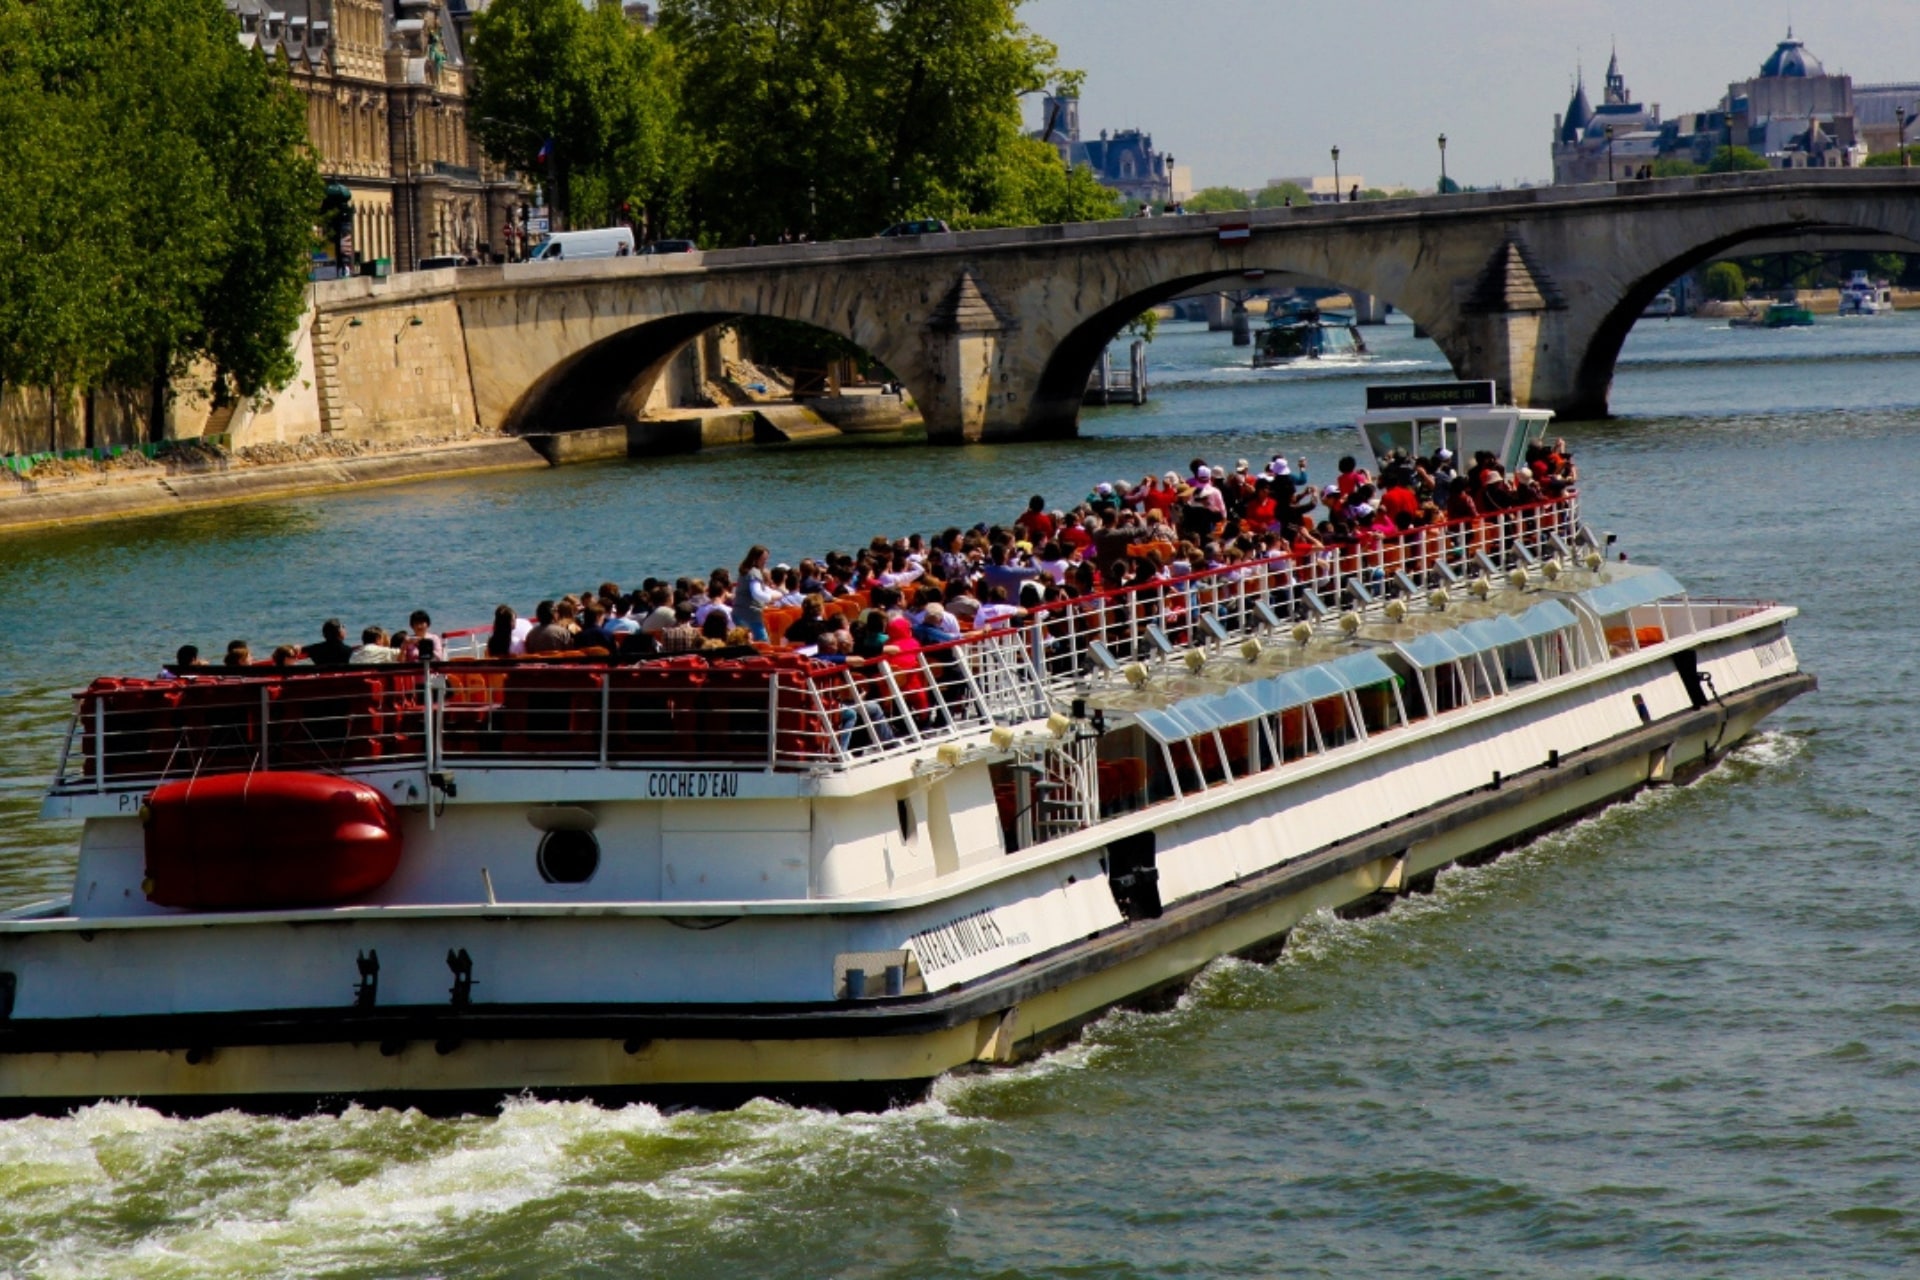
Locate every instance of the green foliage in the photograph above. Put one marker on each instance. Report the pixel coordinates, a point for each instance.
(1447, 187)
(1890, 266)
(1726, 282)
(1736, 160)
(600, 87)
(1218, 200)
(1278, 195)
(162, 197)
(1145, 326)
(1882, 159)
(1674, 167)
(837, 117)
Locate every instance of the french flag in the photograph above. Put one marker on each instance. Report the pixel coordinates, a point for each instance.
(546, 151)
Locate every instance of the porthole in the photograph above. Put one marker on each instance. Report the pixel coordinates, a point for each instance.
(568, 857)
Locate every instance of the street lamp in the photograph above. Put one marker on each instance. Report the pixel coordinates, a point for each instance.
(813, 216)
(1443, 164)
(1336, 175)
(1609, 153)
(1900, 114)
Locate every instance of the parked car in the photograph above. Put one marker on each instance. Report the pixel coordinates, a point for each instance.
(576, 246)
(672, 246)
(917, 227)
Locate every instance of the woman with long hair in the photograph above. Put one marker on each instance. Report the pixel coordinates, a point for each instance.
(500, 643)
(752, 594)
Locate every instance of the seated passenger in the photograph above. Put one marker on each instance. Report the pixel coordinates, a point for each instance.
(806, 629)
(333, 649)
(238, 655)
(682, 636)
(284, 657)
(186, 661)
(549, 635)
(373, 649)
(421, 627)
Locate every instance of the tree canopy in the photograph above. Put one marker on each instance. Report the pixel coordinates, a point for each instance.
(1279, 194)
(588, 87)
(162, 197)
(1218, 200)
(1880, 159)
(1736, 160)
(753, 118)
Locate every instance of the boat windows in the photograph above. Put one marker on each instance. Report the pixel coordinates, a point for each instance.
(568, 857)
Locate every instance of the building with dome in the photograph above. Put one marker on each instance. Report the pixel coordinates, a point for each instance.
(1793, 114)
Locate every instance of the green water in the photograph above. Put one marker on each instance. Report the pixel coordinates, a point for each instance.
(1682, 1039)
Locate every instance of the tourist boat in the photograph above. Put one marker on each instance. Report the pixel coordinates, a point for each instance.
(696, 882)
(1788, 312)
(1860, 296)
(1298, 330)
(1663, 306)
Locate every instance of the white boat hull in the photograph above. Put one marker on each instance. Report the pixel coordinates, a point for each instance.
(615, 1003)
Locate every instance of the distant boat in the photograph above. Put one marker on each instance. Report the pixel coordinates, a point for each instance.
(1301, 331)
(1788, 313)
(1860, 296)
(1663, 305)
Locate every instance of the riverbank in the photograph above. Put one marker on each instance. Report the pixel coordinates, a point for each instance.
(73, 493)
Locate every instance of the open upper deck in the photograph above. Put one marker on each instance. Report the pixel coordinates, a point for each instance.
(778, 712)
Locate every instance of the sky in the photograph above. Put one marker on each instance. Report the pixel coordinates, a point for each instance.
(1247, 90)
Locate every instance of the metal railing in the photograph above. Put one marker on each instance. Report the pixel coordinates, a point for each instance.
(777, 712)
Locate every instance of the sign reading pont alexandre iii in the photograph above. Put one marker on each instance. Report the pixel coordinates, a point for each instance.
(1430, 395)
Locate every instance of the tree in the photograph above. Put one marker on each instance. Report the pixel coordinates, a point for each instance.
(1736, 160)
(837, 117)
(1675, 167)
(1726, 282)
(587, 86)
(1279, 194)
(1218, 200)
(163, 198)
(1447, 187)
(1880, 159)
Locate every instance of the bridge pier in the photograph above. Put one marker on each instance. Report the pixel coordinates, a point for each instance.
(1219, 308)
(1367, 308)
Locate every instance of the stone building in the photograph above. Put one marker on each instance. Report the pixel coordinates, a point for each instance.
(385, 83)
(1582, 150)
(1876, 114)
(1793, 114)
(1124, 161)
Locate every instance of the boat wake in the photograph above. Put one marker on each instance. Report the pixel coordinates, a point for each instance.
(117, 1190)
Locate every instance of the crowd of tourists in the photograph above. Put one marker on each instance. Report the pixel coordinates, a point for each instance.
(918, 590)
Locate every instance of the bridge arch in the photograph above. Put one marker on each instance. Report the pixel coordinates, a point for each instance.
(1063, 379)
(582, 345)
(1601, 356)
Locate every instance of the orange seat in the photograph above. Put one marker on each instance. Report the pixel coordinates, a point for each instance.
(778, 619)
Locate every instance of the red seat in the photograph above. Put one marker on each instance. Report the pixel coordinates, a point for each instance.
(332, 719)
(552, 712)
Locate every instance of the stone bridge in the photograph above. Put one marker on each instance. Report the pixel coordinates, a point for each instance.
(994, 332)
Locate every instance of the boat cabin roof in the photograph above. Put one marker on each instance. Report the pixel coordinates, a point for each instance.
(1460, 416)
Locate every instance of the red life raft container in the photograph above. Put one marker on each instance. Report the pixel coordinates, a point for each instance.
(238, 841)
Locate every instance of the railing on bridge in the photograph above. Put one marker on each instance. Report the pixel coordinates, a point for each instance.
(778, 711)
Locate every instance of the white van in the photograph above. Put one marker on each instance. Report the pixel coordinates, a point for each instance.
(578, 246)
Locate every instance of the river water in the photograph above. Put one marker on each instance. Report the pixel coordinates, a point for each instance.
(1681, 1039)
